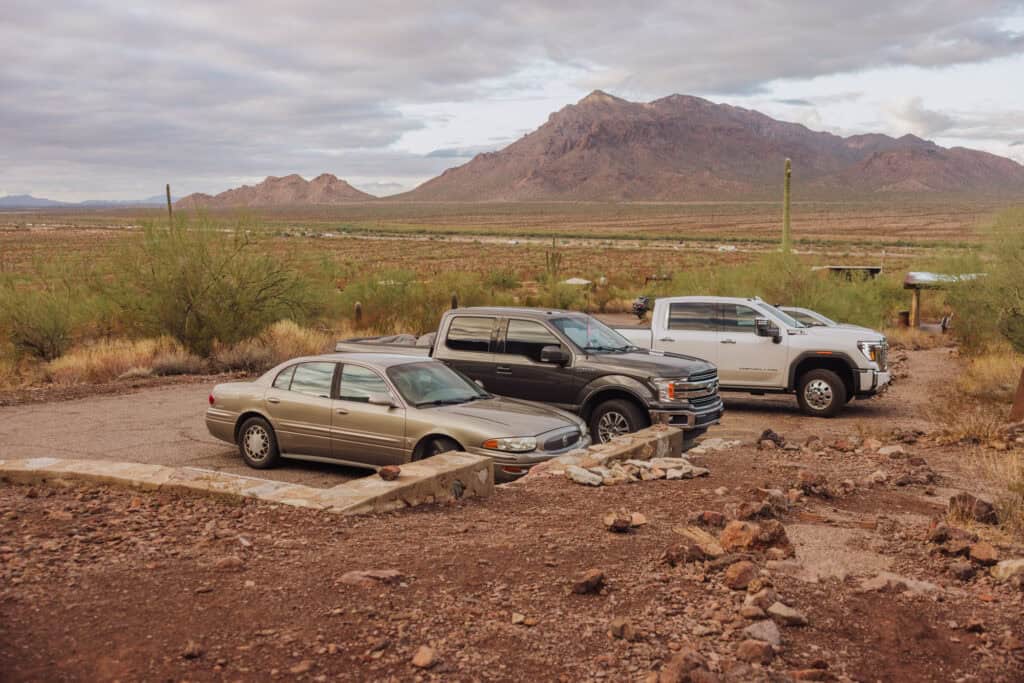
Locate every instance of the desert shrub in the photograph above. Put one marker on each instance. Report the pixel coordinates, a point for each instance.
(916, 340)
(279, 342)
(248, 355)
(992, 376)
(503, 279)
(177, 362)
(202, 282)
(107, 360)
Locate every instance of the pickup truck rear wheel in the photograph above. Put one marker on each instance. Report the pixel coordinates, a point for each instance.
(821, 393)
(615, 417)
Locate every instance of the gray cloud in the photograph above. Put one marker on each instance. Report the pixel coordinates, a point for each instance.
(108, 98)
(1017, 143)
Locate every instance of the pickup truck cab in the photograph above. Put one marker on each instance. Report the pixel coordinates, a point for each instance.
(760, 349)
(569, 360)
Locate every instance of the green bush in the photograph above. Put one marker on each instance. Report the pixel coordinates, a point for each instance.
(202, 282)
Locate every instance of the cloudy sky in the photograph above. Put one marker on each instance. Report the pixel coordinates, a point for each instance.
(108, 99)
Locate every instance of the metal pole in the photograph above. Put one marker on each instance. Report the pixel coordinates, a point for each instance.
(170, 211)
(786, 244)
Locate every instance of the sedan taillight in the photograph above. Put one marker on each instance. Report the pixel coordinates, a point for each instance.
(212, 400)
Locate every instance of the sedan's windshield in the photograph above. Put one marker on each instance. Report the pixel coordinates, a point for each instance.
(590, 334)
(433, 383)
(786, 318)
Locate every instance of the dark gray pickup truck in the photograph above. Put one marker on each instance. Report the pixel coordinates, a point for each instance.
(569, 360)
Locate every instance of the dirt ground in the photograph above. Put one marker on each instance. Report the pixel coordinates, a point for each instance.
(105, 584)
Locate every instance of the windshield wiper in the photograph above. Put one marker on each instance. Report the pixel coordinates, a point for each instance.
(608, 349)
(445, 402)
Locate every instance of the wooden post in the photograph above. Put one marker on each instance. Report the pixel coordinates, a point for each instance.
(1017, 412)
(915, 309)
(786, 239)
(170, 212)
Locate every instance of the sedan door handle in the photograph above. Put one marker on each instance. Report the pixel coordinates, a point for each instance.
(273, 400)
(728, 341)
(341, 411)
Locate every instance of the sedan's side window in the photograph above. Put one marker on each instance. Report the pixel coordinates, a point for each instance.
(737, 318)
(526, 338)
(357, 384)
(693, 317)
(284, 378)
(470, 333)
(313, 379)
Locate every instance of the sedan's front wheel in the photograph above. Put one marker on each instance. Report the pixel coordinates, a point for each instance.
(258, 444)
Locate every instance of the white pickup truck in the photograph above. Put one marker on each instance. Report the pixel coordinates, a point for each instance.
(759, 349)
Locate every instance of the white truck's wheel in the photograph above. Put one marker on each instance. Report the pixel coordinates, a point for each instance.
(821, 393)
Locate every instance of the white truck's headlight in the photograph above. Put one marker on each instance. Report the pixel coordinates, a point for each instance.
(870, 349)
(512, 444)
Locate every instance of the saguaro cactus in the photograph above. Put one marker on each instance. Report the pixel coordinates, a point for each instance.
(553, 262)
(786, 239)
(455, 301)
(359, 313)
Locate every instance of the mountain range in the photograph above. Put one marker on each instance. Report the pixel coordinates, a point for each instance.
(290, 190)
(27, 201)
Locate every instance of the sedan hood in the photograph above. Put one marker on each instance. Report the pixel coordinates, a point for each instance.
(498, 417)
(641, 363)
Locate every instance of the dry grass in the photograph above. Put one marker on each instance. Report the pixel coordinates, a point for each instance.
(992, 376)
(105, 361)
(177, 362)
(1006, 471)
(909, 339)
(279, 342)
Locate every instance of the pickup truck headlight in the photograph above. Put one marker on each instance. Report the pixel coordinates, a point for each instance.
(513, 444)
(666, 388)
(871, 350)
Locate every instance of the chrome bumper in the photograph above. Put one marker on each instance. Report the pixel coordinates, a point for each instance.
(688, 418)
(873, 382)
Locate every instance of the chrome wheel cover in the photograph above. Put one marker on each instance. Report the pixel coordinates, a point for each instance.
(256, 442)
(610, 425)
(818, 394)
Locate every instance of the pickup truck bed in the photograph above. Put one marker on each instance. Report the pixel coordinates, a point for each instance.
(404, 344)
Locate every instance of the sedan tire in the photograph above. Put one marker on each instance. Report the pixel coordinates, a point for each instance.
(258, 444)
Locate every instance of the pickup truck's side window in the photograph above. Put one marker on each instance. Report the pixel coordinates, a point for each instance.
(469, 333)
(526, 338)
(737, 318)
(693, 317)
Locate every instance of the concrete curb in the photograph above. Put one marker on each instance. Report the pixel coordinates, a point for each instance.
(444, 477)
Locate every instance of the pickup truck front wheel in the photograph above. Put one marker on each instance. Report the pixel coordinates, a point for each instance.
(615, 417)
(821, 393)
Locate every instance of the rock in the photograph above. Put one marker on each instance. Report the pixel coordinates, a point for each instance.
(891, 451)
(751, 510)
(591, 581)
(739, 574)
(738, 535)
(620, 627)
(582, 476)
(748, 536)
(305, 666)
(984, 554)
(975, 625)
(193, 650)
(518, 618)
(966, 506)
(389, 472)
(870, 444)
(813, 484)
(766, 445)
(229, 563)
(707, 544)
(1008, 569)
(637, 519)
(762, 599)
(755, 651)
(370, 577)
(721, 491)
(708, 518)
(812, 675)
(752, 612)
(887, 582)
(938, 532)
(775, 439)
(786, 615)
(681, 666)
(962, 570)
(688, 472)
(425, 657)
(877, 478)
(764, 630)
(619, 522)
(843, 446)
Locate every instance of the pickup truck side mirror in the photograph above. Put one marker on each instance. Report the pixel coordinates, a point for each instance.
(766, 328)
(554, 354)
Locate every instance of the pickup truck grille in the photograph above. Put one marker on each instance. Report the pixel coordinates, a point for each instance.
(705, 401)
(698, 389)
(562, 440)
(703, 376)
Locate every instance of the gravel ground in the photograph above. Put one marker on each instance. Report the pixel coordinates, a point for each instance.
(102, 584)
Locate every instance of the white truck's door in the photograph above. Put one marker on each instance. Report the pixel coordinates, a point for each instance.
(745, 359)
(687, 327)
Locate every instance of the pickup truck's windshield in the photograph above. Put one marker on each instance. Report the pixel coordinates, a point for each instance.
(433, 384)
(590, 334)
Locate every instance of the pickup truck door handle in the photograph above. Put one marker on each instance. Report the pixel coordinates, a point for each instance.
(503, 370)
(666, 339)
(273, 400)
(728, 341)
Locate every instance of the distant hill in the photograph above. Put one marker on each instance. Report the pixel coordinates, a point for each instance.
(290, 190)
(683, 148)
(26, 201)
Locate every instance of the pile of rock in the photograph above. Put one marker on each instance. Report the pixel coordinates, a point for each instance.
(631, 471)
(713, 445)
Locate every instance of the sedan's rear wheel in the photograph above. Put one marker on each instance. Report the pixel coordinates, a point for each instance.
(258, 444)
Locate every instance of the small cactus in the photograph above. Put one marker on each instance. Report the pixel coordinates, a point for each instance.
(455, 301)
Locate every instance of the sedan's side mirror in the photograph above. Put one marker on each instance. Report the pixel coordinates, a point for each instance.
(554, 354)
(766, 328)
(479, 383)
(380, 399)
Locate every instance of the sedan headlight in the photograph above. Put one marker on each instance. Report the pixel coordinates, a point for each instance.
(512, 444)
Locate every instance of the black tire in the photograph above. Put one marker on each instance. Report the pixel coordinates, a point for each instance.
(690, 438)
(615, 417)
(257, 443)
(437, 446)
(821, 393)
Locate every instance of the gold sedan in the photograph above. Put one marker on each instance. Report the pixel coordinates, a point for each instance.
(370, 410)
